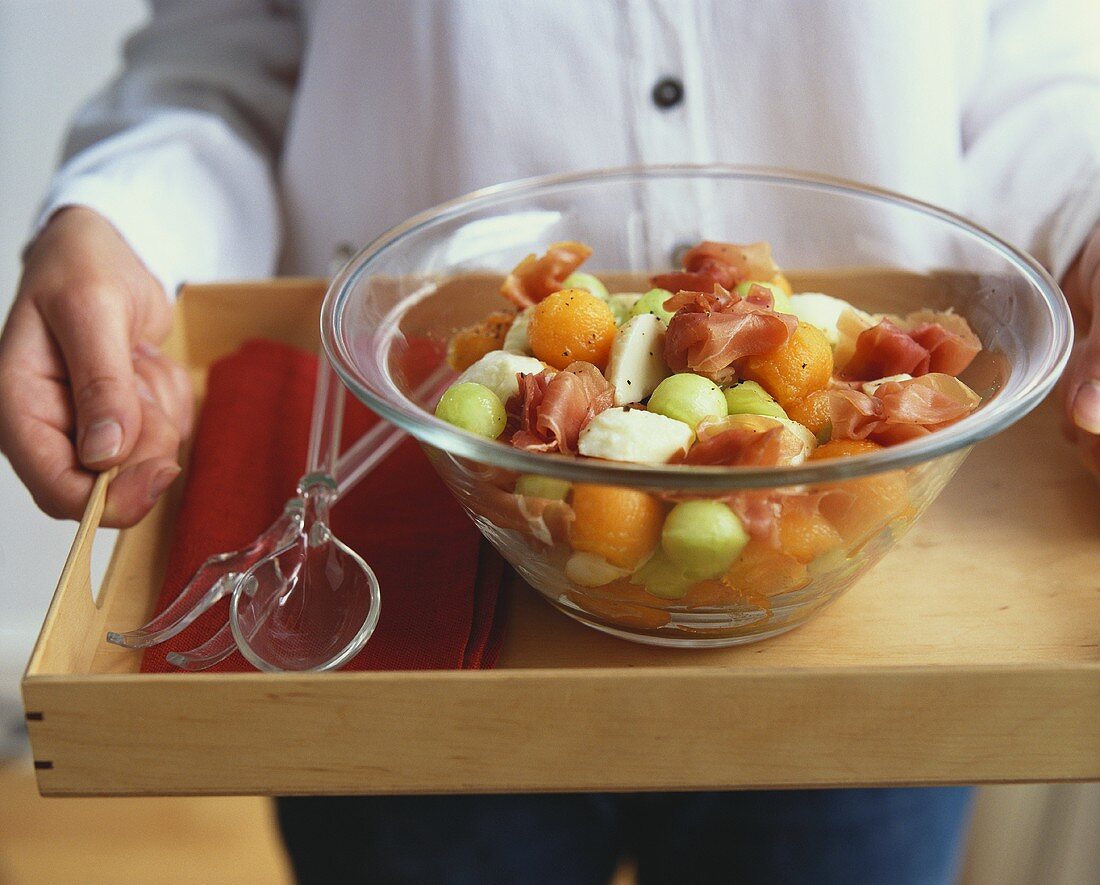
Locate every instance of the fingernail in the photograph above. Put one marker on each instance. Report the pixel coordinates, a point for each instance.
(162, 480)
(1086, 407)
(101, 441)
(144, 348)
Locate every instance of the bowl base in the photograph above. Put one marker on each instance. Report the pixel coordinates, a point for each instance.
(671, 636)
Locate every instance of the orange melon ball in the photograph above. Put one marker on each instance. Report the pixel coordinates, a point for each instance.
(763, 569)
(621, 525)
(621, 614)
(806, 534)
(569, 325)
(469, 345)
(812, 413)
(869, 505)
(795, 369)
(864, 505)
(843, 448)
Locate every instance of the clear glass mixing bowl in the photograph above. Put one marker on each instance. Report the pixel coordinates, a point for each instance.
(388, 315)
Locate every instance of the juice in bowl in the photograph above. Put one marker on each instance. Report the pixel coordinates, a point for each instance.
(669, 436)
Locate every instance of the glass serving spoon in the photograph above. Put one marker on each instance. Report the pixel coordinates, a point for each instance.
(312, 603)
(273, 547)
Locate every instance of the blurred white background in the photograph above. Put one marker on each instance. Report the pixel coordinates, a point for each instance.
(53, 55)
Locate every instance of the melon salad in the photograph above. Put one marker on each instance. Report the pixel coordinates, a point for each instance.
(718, 364)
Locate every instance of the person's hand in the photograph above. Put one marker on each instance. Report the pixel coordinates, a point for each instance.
(1081, 383)
(82, 384)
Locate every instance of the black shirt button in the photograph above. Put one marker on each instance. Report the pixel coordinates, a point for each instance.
(668, 92)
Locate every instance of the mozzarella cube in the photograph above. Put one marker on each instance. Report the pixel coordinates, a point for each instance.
(637, 362)
(823, 311)
(635, 435)
(497, 371)
(592, 570)
(515, 341)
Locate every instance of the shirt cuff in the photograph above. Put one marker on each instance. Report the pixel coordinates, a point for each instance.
(190, 197)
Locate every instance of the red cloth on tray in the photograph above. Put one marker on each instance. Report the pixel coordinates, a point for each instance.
(440, 580)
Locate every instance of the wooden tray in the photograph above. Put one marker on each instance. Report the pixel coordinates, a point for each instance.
(970, 654)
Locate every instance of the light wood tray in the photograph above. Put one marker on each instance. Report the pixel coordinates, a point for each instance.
(970, 654)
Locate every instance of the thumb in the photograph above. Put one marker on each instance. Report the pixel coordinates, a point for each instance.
(1083, 388)
(92, 330)
(1084, 393)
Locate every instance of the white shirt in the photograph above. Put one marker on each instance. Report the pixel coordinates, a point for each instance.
(246, 137)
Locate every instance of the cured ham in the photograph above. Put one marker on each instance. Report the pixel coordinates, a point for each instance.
(921, 343)
(744, 441)
(708, 333)
(898, 411)
(885, 349)
(553, 408)
(951, 343)
(713, 264)
(536, 277)
(737, 447)
(546, 520)
(759, 513)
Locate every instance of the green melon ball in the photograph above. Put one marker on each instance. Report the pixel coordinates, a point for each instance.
(661, 577)
(781, 301)
(531, 485)
(586, 281)
(749, 398)
(703, 537)
(689, 398)
(653, 302)
(473, 407)
(621, 304)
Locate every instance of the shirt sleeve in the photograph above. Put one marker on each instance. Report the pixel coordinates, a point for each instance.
(178, 153)
(1031, 128)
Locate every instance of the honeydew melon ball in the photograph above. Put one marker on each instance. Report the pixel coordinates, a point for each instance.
(621, 304)
(653, 302)
(703, 537)
(689, 398)
(586, 281)
(781, 301)
(749, 398)
(663, 578)
(531, 485)
(473, 407)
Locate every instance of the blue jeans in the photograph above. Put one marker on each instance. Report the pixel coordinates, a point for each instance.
(809, 837)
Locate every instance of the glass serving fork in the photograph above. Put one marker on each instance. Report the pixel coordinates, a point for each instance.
(219, 574)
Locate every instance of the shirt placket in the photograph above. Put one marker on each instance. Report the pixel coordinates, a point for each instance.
(667, 101)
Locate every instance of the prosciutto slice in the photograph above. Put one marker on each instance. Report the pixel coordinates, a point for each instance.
(552, 408)
(737, 447)
(759, 513)
(922, 343)
(720, 264)
(545, 520)
(744, 441)
(899, 411)
(951, 343)
(708, 333)
(536, 277)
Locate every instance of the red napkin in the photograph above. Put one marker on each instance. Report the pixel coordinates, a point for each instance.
(440, 580)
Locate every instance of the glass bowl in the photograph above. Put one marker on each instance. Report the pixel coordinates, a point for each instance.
(388, 315)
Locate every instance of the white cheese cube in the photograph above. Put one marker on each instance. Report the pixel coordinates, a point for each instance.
(637, 362)
(515, 341)
(635, 435)
(497, 371)
(592, 570)
(823, 311)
